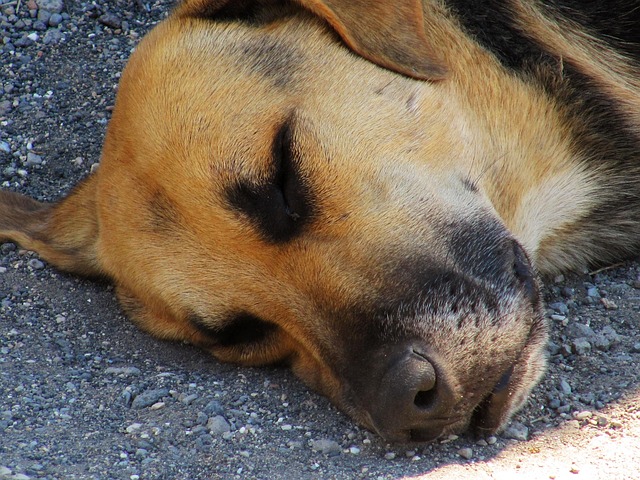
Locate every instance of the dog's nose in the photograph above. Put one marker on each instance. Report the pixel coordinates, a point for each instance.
(413, 401)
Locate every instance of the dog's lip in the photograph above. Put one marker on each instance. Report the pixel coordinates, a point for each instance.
(437, 427)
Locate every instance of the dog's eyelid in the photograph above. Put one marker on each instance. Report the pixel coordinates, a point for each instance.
(282, 151)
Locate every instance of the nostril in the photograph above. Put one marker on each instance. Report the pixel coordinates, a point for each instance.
(425, 399)
(413, 399)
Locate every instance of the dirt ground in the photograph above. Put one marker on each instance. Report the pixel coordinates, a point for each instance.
(83, 394)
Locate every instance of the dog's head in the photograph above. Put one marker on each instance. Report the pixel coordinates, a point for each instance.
(286, 183)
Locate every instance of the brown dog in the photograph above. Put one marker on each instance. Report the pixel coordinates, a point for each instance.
(363, 190)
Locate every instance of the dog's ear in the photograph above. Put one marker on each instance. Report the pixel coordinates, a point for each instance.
(64, 234)
(388, 33)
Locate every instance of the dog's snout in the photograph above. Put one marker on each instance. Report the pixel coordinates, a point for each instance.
(414, 401)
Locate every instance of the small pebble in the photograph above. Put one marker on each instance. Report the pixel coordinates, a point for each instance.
(492, 440)
(636, 348)
(560, 307)
(593, 292)
(565, 387)
(354, 450)
(326, 447)
(517, 431)
(573, 424)
(609, 304)
(148, 398)
(581, 346)
(122, 370)
(465, 453)
(110, 20)
(213, 408)
(218, 425)
(53, 6)
(134, 427)
(584, 415)
(187, 399)
(36, 264)
(55, 19)
(389, 456)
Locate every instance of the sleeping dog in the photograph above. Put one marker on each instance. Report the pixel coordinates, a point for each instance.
(366, 191)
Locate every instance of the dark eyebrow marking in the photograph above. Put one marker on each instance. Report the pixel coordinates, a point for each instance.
(273, 59)
(163, 215)
(280, 206)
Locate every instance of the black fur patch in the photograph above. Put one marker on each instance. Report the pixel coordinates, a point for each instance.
(618, 22)
(603, 135)
(239, 329)
(281, 206)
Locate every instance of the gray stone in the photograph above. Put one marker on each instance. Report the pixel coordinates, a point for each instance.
(580, 330)
(326, 447)
(560, 307)
(593, 292)
(148, 398)
(44, 15)
(36, 264)
(23, 42)
(110, 20)
(517, 431)
(218, 425)
(213, 408)
(52, 37)
(55, 19)
(611, 334)
(126, 371)
(40, 26)
(553, 348)
(53, 6)
(565, 387)
(466, 453)
(601, 342)
(581, 346)
(33, 159)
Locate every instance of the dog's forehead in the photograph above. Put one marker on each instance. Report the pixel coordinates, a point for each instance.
(223, 90)
(296, 55)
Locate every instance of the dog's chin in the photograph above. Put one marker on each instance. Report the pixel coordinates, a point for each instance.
(435, 431)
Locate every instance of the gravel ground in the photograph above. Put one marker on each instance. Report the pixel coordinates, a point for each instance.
(84, 395)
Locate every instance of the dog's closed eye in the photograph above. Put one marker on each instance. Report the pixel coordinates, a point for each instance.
(280, 205)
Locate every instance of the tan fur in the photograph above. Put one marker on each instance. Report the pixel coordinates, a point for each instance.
(389, 160)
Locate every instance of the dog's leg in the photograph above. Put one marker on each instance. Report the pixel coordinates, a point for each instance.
(64, 233)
